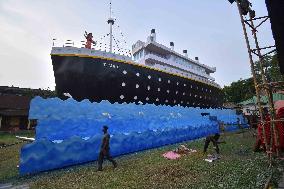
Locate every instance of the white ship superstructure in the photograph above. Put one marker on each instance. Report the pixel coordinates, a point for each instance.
(155, 55)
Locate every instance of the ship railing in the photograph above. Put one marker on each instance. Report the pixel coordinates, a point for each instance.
(99, 46)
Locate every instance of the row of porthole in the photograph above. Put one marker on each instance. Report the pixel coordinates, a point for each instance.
(169, 81)
(157, 100)
(168, 91)
(123, 84)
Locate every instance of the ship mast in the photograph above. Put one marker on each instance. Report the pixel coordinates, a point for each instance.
(110, 22)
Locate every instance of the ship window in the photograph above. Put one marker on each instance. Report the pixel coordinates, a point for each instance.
(159, 89)
(149, 77)
(157, 100)
(189, 94)
(175, 101)
(183, 94)
(184, 85)
(160, 79)
(137, 86)
(169, 81)
(123, 84)
(176, 92)
(121, 97)
(181, 102)
(187, 102)
(168, 91)
(138, 74)
(196, 87)
(148, 87)
(166, 101)
(177, 83)
(124, 72)
(135, 98)
(190, 86)
(147, 98)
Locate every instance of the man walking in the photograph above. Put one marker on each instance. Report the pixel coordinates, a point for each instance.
(104, 152)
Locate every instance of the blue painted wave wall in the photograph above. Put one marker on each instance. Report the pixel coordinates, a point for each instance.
(69, 132)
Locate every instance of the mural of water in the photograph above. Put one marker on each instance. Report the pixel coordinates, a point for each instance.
(69, 132)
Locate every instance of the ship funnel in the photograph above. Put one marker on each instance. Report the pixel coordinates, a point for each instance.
(185, 53)
(153, 35)
(197, 59)
(172, 46)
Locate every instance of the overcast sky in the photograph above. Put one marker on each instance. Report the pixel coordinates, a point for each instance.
(208, 29)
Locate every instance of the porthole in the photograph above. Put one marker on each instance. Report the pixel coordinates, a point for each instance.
(189, 94)
(167, 101)
(168, 91)
(148, 88)
(160, 79)
(135, 98)
(123, 84)
(149, 77)
(177, 83)
(121, 97)
(157, 100)
(196, 87)
(137, 86)
(124, 72)
(137, 74)
(183, 94)
(169, 81)
(190, 86)
(176, 92)
(187, 102)
(159, 89)
(175, 101)
(181, 102)
(147, 98)
(184, 85)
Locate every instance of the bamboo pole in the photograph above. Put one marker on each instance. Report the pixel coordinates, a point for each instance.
(254, 76)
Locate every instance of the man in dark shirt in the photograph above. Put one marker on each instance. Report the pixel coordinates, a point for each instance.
(104, 152)
(214, 139)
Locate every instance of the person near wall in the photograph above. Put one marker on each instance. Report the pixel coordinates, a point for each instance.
(104, 151)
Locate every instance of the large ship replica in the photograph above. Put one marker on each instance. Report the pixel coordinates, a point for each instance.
(153, 73)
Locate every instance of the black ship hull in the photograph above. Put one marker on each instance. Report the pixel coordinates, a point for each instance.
(99, 78)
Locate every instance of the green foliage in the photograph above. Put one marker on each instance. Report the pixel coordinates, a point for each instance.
(239, 91)
(242, 90)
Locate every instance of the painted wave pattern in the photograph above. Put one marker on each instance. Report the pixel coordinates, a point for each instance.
(69, 132)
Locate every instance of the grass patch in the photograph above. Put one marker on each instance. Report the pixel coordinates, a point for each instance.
(10, 137)
(239, 167)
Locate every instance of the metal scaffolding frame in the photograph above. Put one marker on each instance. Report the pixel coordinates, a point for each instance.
(264, 84)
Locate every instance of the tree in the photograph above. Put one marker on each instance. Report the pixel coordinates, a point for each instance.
(242, 90)
(239, 91)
